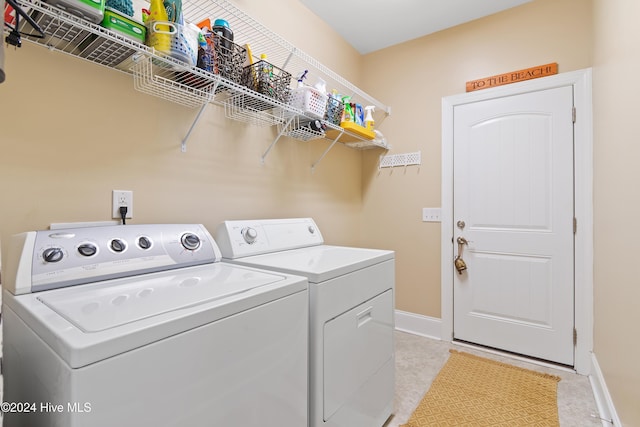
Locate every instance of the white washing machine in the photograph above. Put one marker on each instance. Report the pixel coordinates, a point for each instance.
(142, 325)
(351, 309)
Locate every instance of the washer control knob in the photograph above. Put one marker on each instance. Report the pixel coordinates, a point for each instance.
(87, 249)
(190, 241)
(250, 235)
(52, 254)
(312, 229)
(118, 245)
(144, 243)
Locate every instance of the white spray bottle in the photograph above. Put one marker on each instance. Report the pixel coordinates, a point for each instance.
(368, 120)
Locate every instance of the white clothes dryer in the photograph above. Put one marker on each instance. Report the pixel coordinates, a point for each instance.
(142, 325)
(351, 309)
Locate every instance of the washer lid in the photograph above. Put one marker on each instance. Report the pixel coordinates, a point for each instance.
(319, 263)
(97, 308)
(88, 323)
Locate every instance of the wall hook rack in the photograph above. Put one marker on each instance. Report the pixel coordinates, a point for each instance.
(404, 159)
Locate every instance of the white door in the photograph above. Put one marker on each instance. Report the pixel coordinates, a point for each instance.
(513, 189)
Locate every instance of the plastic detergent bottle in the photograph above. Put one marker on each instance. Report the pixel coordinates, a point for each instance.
(265, 84)
(160, 37)
(347, 114)
(221, 28)
(301, 78)
(204, 53)
(321, 86)
(368, 120)
(174, 11)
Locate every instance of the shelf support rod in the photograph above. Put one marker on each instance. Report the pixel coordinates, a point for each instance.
(183, 146)
(286, 61)
(266, 153)
(317, 162)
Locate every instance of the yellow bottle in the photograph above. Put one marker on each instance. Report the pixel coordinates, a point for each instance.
(160, 35)
(368, 120)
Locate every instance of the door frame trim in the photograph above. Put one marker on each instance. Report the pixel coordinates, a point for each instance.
(581, 81)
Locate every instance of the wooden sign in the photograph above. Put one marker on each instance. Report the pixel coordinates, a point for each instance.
(513, 77)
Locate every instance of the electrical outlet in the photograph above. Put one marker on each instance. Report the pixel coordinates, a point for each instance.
(431, 214)
(122, 198)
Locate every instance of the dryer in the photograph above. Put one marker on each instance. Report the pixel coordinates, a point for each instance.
(143, 325)
(351, 309)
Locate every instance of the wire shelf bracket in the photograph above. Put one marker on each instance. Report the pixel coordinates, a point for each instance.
(317, 162)
(183, 145)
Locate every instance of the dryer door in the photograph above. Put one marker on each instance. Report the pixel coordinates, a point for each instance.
(356, 346)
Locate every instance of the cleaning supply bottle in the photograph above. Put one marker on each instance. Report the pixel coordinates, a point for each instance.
(334, 107)
(204, 53)
(368, 120)
(265, 80)
(174, 11)
(160, 35)
(347, 114)
(321, 86)
(145, 15)
(301, 77)
(223, 30)
(266, 67)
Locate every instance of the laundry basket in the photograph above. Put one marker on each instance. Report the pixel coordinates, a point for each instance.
(310, 100)
(177, 41)
(267, 79)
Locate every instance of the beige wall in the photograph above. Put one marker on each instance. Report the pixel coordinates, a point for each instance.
(73, 131)
(617, 201)
(576, 34)
(413, 78)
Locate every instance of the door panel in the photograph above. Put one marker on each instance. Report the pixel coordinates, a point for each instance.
(513, 188)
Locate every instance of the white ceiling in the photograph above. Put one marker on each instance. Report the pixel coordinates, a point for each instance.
(369, 25)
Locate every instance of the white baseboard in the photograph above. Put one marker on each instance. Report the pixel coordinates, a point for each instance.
(418, 324)
(606, 410)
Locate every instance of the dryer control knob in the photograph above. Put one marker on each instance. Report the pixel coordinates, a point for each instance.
(118, 245)
(190, 241)
(87, 249)
(250, 235)
(52, 254)
(144, 243)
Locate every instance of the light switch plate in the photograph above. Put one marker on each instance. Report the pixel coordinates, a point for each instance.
(431, 214)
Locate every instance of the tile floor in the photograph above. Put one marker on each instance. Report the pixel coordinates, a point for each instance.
(419, 359)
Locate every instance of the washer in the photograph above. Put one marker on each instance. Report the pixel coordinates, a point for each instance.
(351, 308)
(142, 325)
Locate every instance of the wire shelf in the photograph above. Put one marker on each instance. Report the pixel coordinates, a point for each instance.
(256, 111)
(302, 128)
(280, 52)
(165, 83)
(178, 82)
(75, 36)
(367, 145)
